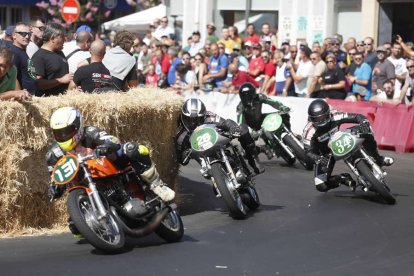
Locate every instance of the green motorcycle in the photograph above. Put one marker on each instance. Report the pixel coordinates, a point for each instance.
(347, 145)
(283, 142)
(222, 162)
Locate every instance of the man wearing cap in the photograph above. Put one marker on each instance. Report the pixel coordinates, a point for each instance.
(196, 44)
(251, 34)
(384, 70)
(248, 51)
(242, 60)
(211, 28)
(70, 46)
(256, 64)
(26, 73)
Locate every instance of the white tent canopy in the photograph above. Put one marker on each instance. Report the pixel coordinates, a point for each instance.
(138, 21)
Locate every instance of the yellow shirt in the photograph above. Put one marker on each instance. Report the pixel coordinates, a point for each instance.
(229, 44)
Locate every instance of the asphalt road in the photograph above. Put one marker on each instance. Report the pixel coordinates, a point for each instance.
(297, 231)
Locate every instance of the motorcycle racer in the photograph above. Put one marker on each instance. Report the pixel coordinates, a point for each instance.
(324, 122)
(194, 114)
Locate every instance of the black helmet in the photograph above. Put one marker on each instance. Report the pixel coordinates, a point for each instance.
(193, 114)
(319, 113)
(247, 93)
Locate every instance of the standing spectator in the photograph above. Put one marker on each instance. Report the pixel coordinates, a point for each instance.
(383, 70)
(332, 81)
(283, 80)
(234, 35)
(52, 68)
(9, 86)
(370, 54)
(148, 38)
(293, 51)
(37, 28)
(300, 77)
(388, 47)
(316, 47)
(400, 67)
(189, 42)
(196, 44)
(173, 56)
(120, 63)
(211, 37)
(269, 72)
(80, 51)
(226, 40)
(238, 79)
(360, 80)
(26, 73)
(387, 94)
(157, 62)
(248, 51)
(244, 63)
(144, 58)
(408, 84)
(341, 56)
(267, 35)
(217, 69)
(70, 46)
(200, 69)
(256, 64)
(408, 49)
(163, 29)
(222, 48)
(285, 48)
(8, 35)
(360, 47)
(351, 67)
(319, 68)
(151, 79)
(94, 77)
(251, 34)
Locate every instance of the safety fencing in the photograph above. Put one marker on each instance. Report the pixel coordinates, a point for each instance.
(393, 125)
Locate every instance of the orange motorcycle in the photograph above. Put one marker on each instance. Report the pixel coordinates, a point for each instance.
(106, 203)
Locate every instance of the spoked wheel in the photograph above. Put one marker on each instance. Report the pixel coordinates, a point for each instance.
(104, 234)
(229, 194)
(171, 228)
(250, 197)
(379, 187)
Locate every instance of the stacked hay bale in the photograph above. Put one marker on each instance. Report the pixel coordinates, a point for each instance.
(147, 116)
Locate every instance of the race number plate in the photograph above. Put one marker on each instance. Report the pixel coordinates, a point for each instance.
(342, 143)
(272, 122)
(203, 139)
(65, 169)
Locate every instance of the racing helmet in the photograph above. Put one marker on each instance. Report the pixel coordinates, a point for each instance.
(247, 93)
(319, 113)
(67, 127)
(193, 113)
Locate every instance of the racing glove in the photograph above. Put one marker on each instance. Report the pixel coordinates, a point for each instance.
(104, 150)
(365, 127)
(284, 109)
(235, 131)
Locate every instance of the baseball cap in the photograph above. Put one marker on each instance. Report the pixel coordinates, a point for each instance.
(381, 49)
(83, 28)
(248, 43)
(211, 24)
(9, 30)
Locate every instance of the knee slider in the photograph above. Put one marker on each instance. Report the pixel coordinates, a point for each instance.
(322, 187)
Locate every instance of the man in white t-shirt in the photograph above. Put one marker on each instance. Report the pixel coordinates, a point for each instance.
(163, 29)
(81, 51)
(400, 67)
(300, 77)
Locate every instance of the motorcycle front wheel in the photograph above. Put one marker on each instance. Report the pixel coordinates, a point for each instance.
(229, 194)
(380, 187)
(250, 197)
(104, 234)
(298, 152)
(171, 228)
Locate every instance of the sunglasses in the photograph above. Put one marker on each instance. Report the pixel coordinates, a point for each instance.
(380, 53)
(164, 21)
(42, 28)
(410, 67)
(221, 48)
(360, 45)
(256, 48)
(293, 52)
(24, 34)
(247, 47)
(358, 58)
(367, 44)
(335, 44)
(352, 54)
(330, 61)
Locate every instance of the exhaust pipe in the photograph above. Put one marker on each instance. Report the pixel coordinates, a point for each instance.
(145, 230)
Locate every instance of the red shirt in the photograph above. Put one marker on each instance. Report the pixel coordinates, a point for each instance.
(270, 69)
(165, 64)
(253, 38)
(151, 80)
(243, 77)
(256, 63)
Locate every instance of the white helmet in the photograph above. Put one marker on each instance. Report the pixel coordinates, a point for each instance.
(67, 127)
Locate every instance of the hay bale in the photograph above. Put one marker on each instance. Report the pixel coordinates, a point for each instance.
(147, 116)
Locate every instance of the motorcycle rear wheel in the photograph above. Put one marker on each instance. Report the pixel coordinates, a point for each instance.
(171, 228)
(104, 234)
(380, 187)
(230, 196)
(250, 197)
(298, 152)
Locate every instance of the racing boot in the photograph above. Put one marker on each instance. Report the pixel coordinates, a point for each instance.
(152, 178)
(347, 180)
(252, 158)
(386, 161)
(73, 229)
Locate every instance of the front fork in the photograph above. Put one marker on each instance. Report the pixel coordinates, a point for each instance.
(229, 169)
(283, 145)
(94, 197)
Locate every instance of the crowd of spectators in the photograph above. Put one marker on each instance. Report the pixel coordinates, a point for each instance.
(42, 59)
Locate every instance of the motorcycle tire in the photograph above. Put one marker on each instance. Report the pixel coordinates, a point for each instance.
(231, 197)
(380, 187)
(171, 228)
(108, 236)
(298, 152)
(250, 197)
